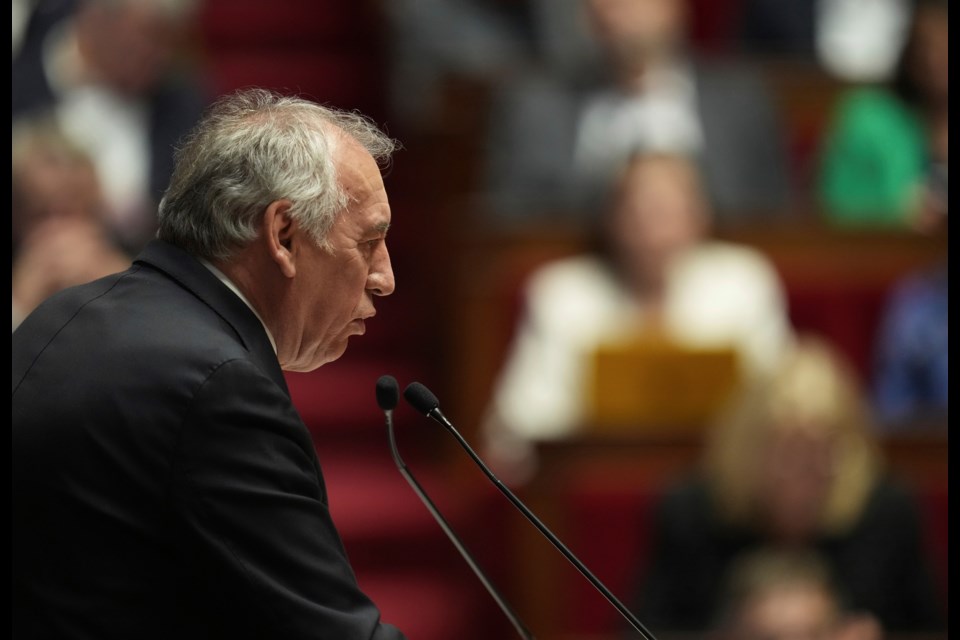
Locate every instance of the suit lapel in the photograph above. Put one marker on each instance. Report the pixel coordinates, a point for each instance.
(189, 273)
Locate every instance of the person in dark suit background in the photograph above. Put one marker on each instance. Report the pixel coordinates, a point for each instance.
(164, 486)
(557, 133)
(116, 76)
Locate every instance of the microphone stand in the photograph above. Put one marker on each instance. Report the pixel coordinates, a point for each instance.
(518, 625)
(423, 400)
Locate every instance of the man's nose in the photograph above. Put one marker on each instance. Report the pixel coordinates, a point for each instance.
(380, 281)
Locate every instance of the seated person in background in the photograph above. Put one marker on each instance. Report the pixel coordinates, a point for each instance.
(911, 364)
(655, 272)
(59, 236)
(787, 594)
(885, 155)
(430, 41)
(792, 464)
(110, 72)
(556, 139)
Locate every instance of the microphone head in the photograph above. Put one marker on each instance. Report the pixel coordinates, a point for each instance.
(420, 398)
(388, 392)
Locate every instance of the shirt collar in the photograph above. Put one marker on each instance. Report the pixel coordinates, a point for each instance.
(229, 283)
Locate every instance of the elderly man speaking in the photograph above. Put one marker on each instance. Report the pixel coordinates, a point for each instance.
(163, 484)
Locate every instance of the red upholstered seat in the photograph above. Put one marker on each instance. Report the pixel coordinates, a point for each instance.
(326, 50)
(401, 556)
(370, 500)
(248, 23)
(610, 526)
(848, 316)
(430, 606)
(338, 78)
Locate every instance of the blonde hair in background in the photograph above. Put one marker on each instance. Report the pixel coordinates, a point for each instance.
(813, 388)
(68, 175)
(42, 132)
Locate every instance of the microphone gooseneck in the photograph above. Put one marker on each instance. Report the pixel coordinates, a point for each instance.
(423, 400)
(388, 395)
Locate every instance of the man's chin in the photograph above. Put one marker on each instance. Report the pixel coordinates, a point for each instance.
(357, 328)
(305, 365)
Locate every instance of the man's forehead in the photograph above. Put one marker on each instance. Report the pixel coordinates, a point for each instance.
(357, 171)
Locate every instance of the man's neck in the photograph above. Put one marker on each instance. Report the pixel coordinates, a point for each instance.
(232, 283)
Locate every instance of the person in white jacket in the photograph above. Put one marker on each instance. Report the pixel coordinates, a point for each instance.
(658, 271)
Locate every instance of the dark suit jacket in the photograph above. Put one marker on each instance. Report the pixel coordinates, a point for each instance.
(163, 484)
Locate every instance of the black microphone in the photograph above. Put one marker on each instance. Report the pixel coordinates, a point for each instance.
(423, 400)
(388, 395)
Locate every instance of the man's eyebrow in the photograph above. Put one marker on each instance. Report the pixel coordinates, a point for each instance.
(382, 227)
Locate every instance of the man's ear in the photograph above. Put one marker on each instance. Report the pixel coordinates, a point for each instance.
(280, 231)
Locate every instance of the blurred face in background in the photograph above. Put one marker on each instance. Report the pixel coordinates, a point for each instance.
(929, 58)
(51, 181)
(788, 611)
(813, 461)
(636, 29)
(796, 475)
(129, 43)
(659, 213)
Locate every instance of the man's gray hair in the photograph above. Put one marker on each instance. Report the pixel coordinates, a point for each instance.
(254, 147)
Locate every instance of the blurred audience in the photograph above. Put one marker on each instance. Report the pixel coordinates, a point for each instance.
(885, 156)
(433, 40)
(793, 464)
(20, 15)
(109, 70)
(60, 238)
(861, 40)
(563, 41)
(911, 363)
(655, 271)
(852, 40)
(787, 594)
(557, 137)
(775, 29)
